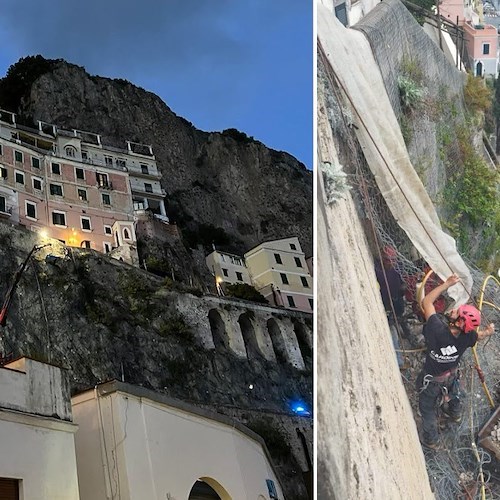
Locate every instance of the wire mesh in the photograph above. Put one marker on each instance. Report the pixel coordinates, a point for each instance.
(454, 472)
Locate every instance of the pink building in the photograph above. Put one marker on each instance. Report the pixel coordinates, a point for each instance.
(482, 47)
(46, 185)
(481, 39)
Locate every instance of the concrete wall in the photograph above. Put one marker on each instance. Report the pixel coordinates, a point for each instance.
(33, 387)
(41, 454)
(39, 449)
(154, 447)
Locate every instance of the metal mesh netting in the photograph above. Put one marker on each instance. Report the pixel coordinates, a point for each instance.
(454, 472)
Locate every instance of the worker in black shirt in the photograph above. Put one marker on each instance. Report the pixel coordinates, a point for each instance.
(447, 337)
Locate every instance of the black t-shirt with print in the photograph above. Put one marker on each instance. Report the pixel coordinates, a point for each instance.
(443, 349)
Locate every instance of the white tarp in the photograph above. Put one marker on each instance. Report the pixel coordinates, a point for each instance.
(350, 56)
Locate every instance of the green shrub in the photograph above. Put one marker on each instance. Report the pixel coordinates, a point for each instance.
(175, 326)
(244, 291)
(410, 92)
(478, 96)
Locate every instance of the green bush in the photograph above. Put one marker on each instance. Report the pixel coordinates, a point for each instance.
(175, 326)
(244, 291)
(478, 96)
(410, 92)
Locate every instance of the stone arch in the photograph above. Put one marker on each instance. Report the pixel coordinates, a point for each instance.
(218, 327)
(207, 488)
(248, 332)
(277, 339)
(304, 339)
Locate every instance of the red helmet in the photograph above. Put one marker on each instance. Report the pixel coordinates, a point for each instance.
(471, 317)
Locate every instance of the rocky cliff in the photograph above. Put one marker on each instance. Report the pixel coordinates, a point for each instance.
(102, 319)
(223, 179)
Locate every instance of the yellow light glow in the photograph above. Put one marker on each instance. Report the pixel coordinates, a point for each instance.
(43, 234)
(219, 279)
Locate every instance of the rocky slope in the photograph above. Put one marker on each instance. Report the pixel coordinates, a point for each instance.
(223, 179)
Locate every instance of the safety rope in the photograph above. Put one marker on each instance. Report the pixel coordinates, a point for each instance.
(473, 441)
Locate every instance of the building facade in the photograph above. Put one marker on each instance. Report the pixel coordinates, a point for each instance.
(279, 271)
(228, 268)
(39, 459)
(69, 186)
(133, 444)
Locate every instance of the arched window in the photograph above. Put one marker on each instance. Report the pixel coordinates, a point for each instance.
(207, 488)
(126, 234)
(70, 151)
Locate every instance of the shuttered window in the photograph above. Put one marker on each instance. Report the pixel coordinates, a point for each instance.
(9, 489)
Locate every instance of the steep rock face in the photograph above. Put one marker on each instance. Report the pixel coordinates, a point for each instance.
(102, 319)
(224, 179)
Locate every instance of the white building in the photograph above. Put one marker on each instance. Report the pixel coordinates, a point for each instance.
(38, 460)
(135, 444)
(228, 268)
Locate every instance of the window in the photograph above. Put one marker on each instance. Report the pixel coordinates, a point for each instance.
(108, 160)
(80, 174)
(277, 257)
(37, 183)
(304, 281)
(56, 190)
(102, 180)
(3, 205)
(56, 168)
(148, 187)
(126, 234)
(35, 162)
(239, 276)
(144, 169)
(311, 303)
(284, 279)
(85, 223)
(82, 194)
(291, 302)
(486, 48)
(70, 151)
(19, 177)
(107, 247)
(3, 173)
(85, 244)
(292, 246)
(31, 210)
(59, 219)
(224, 272)
(18, 156)
(298, 263)
(108, 230)
(85, 156)
(121, 163)
(106, 199)
(1, 150)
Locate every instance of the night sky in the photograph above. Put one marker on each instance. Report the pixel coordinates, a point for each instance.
(218, 63)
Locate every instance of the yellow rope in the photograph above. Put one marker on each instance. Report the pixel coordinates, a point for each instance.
(474, 349)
